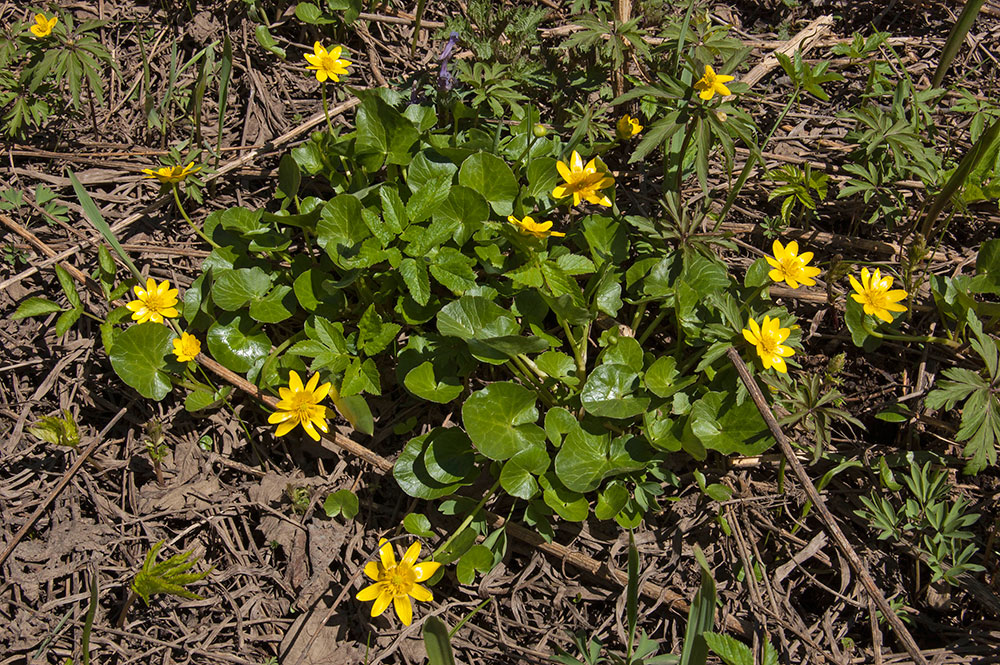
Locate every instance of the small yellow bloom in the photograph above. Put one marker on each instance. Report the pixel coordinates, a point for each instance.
(43, 26)
(627, 127)
(874, 293)
(301, 406)
(790, 266)
(712, 83)
(582, 182)
(530, 227)
(768, 338)
(396, 582)
(186, 347)
(154, 303)
(327, 64)
(168, 175)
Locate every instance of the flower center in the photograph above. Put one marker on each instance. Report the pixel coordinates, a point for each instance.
(400, 580)
(768, 341)
(328, 62)
(155, 302)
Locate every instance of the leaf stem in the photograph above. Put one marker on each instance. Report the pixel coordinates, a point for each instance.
(175, 188)
(466, 522)
(326, 111)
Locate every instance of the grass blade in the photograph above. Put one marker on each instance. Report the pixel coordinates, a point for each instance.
(701, 617)
(437, 642)
(984, 146)
(955, 39)
(93, 213)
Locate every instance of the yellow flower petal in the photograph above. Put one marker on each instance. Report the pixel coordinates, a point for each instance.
(404, 609)
(369, 592)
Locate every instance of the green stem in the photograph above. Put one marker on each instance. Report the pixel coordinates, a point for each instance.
(533, 380)
(752, 160)
(177, 199)
(909, 338)
(466, 522)
(753, 296)
(581, 364)
(326, 112)
(680, 157)
(653, 325)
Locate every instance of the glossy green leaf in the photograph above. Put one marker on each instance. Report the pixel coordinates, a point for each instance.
(607, 392)
(586, 459)
(500, 420)
(411, 473)
(421, 382)
(341, 502)
(417, 524)
(492, 178)
(382, 130)
(722, 425)
(569, 505)
(448, 455)
(341, 230)
(518, 474)
(35, 307)
(477, 558)
(237, 344)
(139, 357)
(235, 288)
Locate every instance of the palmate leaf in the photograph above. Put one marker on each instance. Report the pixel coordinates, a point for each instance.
(169, 576)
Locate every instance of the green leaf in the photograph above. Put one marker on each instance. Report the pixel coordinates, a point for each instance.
(465, 209)
(93, 214)
(477, 558)
(68, 287)
(341, 229)
(384, 131)
(35, 307)
(66, 320)
(237, 344)
(610, 501)
(374, 334)
(341, 502)
(586, 459)
(722, 425)
(421, 382)
(701, 617)
(453, 270)
(139, 358)
(606, 393)
(289, 177)
(500, 420)
(569, 505)
(437, 642)
(729, 649)
(477, 320)
(274, 307)
(410, 471)
(418, 525)
(854, 317)
(424, 201)
(518, 474)
(492, 178)
(542, 177)
(661, 377)
(623, 351)
(198, 400)
(354, 409)
(448, 455)
(235, 288)
(414, 273)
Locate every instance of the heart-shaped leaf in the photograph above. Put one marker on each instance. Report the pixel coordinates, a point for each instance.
(139, 357)
(501, 418)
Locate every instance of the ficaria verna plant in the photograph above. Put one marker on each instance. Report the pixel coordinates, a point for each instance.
(545, 290)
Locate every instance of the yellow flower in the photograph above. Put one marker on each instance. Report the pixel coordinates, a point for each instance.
(170, 174)
(768, 338)
(627, 127)
(873, 292)
(712, 83)
(186, 347)
(790, 266)
(301, 406)
(154, 303)
(396, 582)
(327, 64)
(43, 26)
(530, 227)
(583, 182)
